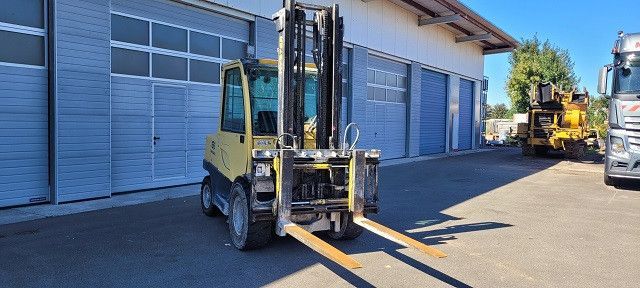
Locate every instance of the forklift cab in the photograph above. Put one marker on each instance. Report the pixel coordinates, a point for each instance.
(248, 118)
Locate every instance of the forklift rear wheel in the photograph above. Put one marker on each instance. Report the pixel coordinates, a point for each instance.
(206, 199)
(348, 229)
(245, 235)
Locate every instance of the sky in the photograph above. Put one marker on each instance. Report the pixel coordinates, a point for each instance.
(587, 29)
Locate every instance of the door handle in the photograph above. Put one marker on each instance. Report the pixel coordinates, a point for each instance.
(241, 138)
(156, 138)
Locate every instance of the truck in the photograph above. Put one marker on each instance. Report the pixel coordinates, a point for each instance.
(277, 165)
(622, 152)
(557, 121)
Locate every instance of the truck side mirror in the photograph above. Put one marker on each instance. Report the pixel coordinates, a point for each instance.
(602, 81)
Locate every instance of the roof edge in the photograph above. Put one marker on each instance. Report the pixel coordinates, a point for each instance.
(470, 15)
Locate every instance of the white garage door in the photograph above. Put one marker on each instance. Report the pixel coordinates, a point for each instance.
(386, 123)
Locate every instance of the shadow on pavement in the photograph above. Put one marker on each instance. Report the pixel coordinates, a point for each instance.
(170, 243)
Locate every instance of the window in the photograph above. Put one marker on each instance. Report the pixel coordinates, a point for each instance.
(168, 37)
(232, 49)
(169, 67)
(205, 72)
(129, 30)
(22, 12)
(263, 93)
(130, 62)
(186, 55)
(204, 44)
(21, 48)
(384, 86)
(24, 42)
(233, 109)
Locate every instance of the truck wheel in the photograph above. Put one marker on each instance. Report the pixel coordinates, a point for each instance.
(576, 151)
(245, 235)
(348, 229)
(609, 181)
(527, 150)
(206, 199)
(541, 150)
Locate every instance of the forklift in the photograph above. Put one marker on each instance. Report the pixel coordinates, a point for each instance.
(276, 165)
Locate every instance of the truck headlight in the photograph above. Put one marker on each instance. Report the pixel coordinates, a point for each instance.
(617, 145)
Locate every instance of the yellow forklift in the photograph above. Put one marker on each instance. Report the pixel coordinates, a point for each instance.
(276, 164)
(557, 121)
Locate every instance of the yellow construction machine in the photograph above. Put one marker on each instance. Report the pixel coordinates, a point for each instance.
(276, 163)
(557, 121)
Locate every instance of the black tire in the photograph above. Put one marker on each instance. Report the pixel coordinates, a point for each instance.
(245, 235)
(527, 150)
(348, 229)
(576, 150)
(541, 150)
(610, 181)
(206, 199)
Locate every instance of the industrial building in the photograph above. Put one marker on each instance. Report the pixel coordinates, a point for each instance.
(100, 97)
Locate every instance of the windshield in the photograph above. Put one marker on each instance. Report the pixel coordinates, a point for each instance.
(627, 74)
(263, 91)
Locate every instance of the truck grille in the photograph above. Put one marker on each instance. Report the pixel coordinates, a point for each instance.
(632, 122)
(541, 133)
(634, 140)
(543, 120)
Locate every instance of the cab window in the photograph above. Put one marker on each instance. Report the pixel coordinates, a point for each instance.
(263, 93)
(233, 106)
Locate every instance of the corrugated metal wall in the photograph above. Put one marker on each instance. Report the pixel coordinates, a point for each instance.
(466, 115)
(82, 96)
(433, 112)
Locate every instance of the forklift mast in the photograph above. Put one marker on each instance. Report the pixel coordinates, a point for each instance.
(327, 33)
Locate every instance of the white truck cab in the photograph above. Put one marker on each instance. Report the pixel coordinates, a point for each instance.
(622, 156)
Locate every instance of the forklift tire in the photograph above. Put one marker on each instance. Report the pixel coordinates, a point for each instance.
(206, 199)
(348, 229)
(245, 235)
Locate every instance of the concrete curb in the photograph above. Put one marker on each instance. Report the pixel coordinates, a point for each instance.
(27, 213)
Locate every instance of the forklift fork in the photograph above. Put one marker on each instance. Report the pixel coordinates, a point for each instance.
(357, 178)
(284, 187)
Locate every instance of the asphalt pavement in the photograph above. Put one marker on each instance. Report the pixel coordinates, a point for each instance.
(504, 221)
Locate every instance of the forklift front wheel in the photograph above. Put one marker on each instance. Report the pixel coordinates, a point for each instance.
(348, 229)
(245, 235)
(206, 199)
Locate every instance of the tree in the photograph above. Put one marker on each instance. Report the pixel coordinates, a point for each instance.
(597, 114)
(498, 111)
(534, 62)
